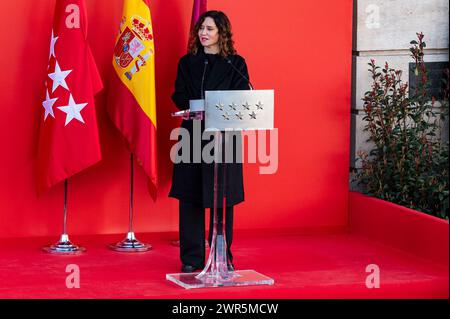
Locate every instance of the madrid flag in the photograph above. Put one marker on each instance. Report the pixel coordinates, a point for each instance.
(131, 97)
(68, 134)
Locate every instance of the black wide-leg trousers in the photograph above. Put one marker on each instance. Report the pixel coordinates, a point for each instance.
(192, 232)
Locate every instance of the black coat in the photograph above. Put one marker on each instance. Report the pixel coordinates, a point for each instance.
(193, 182)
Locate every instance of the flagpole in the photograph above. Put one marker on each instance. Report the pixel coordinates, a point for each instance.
(130, 226)
(65, 208)
(64, 245)
(130, 243)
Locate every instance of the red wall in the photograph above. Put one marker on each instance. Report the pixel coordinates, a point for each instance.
(300, 48)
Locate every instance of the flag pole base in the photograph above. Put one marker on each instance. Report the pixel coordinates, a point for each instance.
(130, 244)
(64, 246)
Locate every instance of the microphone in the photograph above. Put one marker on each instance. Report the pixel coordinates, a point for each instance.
(202, 94)
(240, 73)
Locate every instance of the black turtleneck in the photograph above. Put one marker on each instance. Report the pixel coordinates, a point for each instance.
(219, 75)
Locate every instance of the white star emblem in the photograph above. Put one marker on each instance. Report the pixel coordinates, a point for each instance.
(73, 110)
(220, 106)
(48, 105)
(52, 45)
(59, 78)
(233, 106)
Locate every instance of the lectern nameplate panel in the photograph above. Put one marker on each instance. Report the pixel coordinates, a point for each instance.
(239, 110)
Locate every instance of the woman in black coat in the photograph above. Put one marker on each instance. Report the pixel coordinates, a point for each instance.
(211, 64)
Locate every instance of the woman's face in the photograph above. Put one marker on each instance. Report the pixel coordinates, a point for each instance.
(208, 33)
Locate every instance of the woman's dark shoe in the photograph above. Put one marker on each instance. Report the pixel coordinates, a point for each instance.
(188, 268)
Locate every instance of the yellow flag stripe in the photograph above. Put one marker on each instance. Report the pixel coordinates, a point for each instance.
(134, 55)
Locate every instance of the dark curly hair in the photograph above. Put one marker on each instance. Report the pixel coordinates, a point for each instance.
(226, 43)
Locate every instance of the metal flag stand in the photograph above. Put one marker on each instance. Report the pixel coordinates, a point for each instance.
(130, 243)
(64, 245)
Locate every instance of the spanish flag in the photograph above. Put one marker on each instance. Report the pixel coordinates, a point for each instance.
(131, 98)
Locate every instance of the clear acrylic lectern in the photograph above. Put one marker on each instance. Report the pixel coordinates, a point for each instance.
(226, 111)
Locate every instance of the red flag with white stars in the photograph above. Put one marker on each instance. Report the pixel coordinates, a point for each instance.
(68, 135)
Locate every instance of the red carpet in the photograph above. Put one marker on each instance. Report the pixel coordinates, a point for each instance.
(303, 266)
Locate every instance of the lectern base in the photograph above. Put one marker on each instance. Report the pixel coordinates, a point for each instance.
(235, 278)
